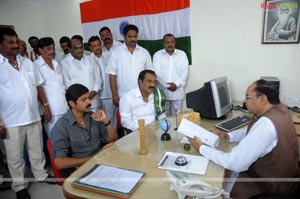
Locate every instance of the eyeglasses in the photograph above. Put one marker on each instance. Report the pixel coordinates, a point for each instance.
(250, 96)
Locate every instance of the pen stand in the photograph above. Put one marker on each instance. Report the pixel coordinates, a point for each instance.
(165, 125)
(143, 149)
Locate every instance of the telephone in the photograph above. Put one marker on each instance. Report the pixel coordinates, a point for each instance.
(188, 185)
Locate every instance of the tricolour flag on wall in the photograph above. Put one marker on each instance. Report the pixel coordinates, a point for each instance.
(154, 18)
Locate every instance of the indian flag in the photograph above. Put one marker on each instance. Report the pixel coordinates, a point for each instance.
(154, 18)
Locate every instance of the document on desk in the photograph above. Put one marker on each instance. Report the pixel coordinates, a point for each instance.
(196, 164)
(109, 180)
(191, 129)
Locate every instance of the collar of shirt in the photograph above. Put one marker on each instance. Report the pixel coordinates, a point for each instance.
(165, 52)
(4, 59)
(137, 47)
(40, 61)
(71, 118)
(138, 95)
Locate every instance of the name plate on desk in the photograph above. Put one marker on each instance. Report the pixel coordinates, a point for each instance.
(190, 116)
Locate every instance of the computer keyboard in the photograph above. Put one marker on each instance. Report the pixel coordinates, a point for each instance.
(233, 123)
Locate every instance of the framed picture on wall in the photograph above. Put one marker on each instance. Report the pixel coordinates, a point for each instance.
(281, 21)
(8, 26)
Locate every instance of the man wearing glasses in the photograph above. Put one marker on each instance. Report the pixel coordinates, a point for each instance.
(266, 159)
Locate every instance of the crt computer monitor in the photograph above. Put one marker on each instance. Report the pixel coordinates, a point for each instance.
(212, 100)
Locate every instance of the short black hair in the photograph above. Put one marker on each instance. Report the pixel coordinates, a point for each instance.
(130, 27)
(268, 89)
(32, 37)
(6, 31)
(45, 41)
(78, 37)
(64, 39)
(93, 38)
(168, 35)
(144, 72)
(74, 92)
(104, 28)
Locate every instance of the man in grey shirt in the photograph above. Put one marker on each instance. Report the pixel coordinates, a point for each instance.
(79, 134)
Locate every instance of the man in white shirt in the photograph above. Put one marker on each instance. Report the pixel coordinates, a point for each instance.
(139, 102)
(105, 93)
(64, 42)
(108, 43)
(82, 69)
(33, 55)
(126, 62)
(52, 79)
(267, 148)
(171, 68)
(20, 85)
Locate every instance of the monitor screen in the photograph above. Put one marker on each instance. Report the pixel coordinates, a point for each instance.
(212, 100)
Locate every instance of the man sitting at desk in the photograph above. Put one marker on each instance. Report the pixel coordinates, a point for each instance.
(267, 148)
(79, 134)
(144, 102)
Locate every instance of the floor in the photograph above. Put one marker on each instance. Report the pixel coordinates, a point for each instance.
(36, 190)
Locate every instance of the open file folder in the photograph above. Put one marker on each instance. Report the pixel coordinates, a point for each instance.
(113, 181)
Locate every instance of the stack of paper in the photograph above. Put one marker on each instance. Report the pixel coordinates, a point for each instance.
(191, 130)
(109, 180)
(196, 164)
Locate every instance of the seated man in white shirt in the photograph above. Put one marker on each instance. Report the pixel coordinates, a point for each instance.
(267, 149)
(139, 103)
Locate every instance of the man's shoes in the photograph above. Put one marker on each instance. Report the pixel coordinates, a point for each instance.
(49, 179)
(23, 194)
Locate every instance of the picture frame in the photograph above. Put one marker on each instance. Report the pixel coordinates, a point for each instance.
(281, 21)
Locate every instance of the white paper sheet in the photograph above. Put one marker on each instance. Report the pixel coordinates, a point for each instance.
(196, 164)
(191, 130)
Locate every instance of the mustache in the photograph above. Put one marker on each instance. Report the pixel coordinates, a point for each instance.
(15, 48)
(106, 39)
(152, 87)
(88, 106)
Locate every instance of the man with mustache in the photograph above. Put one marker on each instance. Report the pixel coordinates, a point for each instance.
(77, 135)
(126, 62)
(82, 69)
(64, 42)
(20, 85)
(52, 79)
(138, 103)
(105, 93)
(108, 43)
(171, 67)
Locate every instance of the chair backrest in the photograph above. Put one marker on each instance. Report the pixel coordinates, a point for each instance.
(59, 176)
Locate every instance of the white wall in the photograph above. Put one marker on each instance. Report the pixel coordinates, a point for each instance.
(226, 40)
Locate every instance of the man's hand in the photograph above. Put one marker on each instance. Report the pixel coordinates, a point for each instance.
(172, 87)
(116, 100)
(2, 132)
(220, 133)
(92, 94)
(108, 145)
(196, 143)
(47, 114)
(100, 116)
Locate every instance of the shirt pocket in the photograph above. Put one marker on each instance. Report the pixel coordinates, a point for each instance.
(77, 142)
(31, 78)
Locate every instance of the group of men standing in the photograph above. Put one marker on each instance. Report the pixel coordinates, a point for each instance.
(106, 75)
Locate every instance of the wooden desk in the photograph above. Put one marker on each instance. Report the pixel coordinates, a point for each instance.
(125, 154)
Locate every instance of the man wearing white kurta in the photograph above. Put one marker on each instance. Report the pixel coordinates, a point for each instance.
(53, 83)
(82, 69)
(171, 68)
(126, 62)
(19, 90)
(105, 93)
(138, 103)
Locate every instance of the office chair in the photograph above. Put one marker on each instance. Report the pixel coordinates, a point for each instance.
(59, 176)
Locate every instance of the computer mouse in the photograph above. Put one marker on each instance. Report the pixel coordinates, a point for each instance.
(181, 161)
